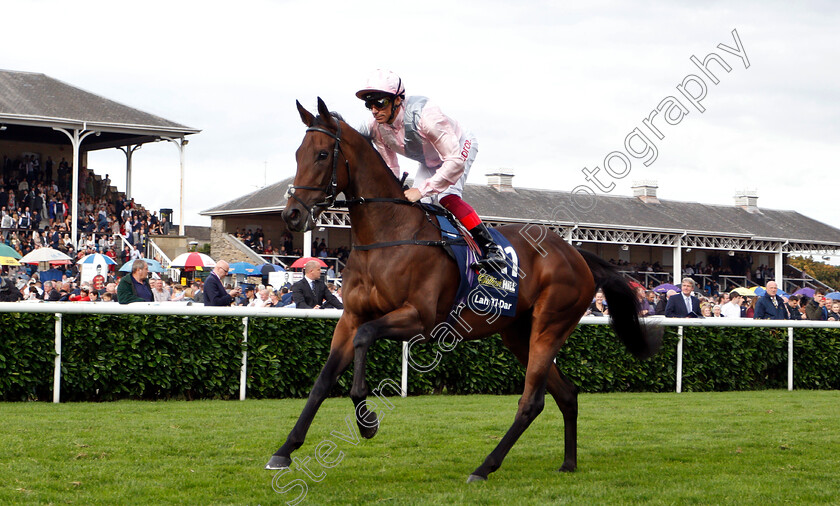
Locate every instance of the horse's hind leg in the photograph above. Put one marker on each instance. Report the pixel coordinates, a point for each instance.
(537, 355)
(565, 394)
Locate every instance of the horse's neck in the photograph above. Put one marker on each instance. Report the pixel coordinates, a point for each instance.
(378, 222)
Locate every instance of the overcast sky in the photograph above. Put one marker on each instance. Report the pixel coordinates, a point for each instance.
(549, 88)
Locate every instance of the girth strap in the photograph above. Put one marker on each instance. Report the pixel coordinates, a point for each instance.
(414, 242)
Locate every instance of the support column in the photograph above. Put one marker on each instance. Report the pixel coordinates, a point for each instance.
(129, 151)
(778, 269)
(678, 262)
(181, 143)
(76, 137)
(307, 243)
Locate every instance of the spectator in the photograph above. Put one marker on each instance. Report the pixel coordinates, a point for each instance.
(834, 314)
(663, 302)
(8, 291)
(135, 286)
(732, 309)
(262, 300)
(645, 309)
(771, 306)
(312, 293)
(285, 297)
(598, 306)
(716, 311)
(793, 307)
(816, 308)
(706, 310)
(685, 305)
(159, 291)
(214, 288)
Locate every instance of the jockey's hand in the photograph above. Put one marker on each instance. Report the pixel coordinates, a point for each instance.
(413, 194)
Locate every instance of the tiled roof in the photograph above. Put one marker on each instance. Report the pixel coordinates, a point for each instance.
(33, 97)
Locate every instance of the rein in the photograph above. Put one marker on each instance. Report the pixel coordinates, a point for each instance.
(331, 191)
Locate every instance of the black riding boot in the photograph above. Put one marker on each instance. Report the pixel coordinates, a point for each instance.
(494, 256)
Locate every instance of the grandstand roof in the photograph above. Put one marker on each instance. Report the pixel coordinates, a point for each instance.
(631, 213)
(31, 104)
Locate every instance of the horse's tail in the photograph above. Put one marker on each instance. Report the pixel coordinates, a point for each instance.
(643, 340)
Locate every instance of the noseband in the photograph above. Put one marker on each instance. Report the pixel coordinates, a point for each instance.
(331, 189)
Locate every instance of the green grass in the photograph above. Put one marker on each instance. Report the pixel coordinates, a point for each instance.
(691, 448)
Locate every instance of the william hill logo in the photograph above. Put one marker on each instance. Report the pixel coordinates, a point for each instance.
(494, 282)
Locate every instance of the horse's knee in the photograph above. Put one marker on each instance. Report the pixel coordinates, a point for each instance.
(365, 335)
(530, 408)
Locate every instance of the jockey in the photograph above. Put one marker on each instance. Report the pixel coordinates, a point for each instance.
(416, 128)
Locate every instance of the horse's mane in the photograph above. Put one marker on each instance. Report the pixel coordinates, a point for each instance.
(338, 117)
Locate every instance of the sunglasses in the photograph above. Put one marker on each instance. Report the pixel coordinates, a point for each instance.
(379, 103)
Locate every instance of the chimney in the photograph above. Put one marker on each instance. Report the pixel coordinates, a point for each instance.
(747, 200)
(646, 191)
(502, 180)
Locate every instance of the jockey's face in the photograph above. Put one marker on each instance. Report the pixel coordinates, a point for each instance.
(383, 115)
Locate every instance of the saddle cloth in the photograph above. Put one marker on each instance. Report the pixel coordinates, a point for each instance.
(487, 292)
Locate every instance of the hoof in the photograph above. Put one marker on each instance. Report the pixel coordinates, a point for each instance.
(369, 432)
(567, 468)
(277, 463)
(475, 477)
(366, 431)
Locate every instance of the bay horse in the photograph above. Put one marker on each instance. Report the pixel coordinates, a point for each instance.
(399, 285)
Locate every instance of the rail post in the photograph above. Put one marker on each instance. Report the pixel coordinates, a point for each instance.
(243, 375)
(57, 372)
(679, 359)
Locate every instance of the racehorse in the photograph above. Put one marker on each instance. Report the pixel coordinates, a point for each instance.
(399, 283)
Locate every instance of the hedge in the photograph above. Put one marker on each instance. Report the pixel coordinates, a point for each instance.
(109, 357)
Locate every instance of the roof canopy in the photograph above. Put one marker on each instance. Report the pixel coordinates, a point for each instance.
(668, 217)
(31, 105)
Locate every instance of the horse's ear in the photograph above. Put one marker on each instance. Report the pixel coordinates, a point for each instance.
(306, 116)
(324, 111)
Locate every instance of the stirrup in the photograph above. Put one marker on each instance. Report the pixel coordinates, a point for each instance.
(491, 261)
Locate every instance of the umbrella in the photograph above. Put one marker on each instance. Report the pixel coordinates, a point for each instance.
(8, 261)
(45, 255)
(300, 262)
(8, 251)
(243, 268)
(833, 296)
(193, 260)
(664, 287)
(808, 292)
(154, 265)
(748, 292)
(266, 268)
(760, 291)
(97, 259)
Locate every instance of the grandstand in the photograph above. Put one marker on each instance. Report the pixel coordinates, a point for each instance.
(40, 117)
(652, 239)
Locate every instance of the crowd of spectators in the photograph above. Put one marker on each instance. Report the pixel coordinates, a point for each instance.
(35, 210)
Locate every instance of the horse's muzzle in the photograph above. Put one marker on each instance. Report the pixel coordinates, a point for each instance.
(297, 220)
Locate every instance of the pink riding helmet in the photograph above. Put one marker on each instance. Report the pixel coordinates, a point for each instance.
(383, 81)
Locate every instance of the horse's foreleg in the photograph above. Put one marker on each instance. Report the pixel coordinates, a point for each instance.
(341, 353)
(401, 324)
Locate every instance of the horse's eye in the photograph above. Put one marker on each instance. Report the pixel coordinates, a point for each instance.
(323, 154)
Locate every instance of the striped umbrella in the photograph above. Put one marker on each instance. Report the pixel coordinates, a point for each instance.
(193, 260)
(97, 259)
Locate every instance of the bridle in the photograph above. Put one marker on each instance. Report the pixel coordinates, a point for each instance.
(331, 189)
